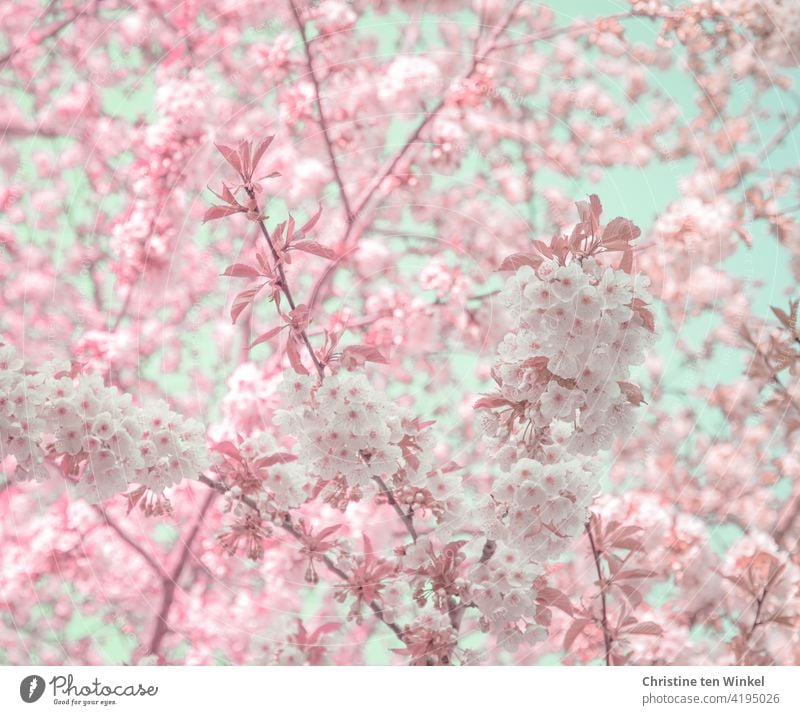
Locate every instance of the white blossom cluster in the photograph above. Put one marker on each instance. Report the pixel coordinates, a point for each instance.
(563, 395)
(774, 25)
(531, 517)
(281, 483)
(567, 360)
(146, 232)
(539, 507)
(407, 78)
(704, 227)
(345, 429)
(107, 441)
(502, 588)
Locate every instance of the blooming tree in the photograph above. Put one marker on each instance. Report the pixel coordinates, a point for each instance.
(319, 346)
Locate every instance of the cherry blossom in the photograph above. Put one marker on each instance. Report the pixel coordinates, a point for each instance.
(432, 333)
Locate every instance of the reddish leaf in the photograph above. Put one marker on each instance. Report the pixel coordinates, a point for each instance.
(635, 573)
(596, 208)
(647, 628)
(544, 616)
(640, 308)
(517, 260)
(231, 156)
(543, 248)
(300, 317)
(489, 402)
(262, 261)
(241, 270)
(215, 212)
(783, 317)
(227, 196)
(620, 232)
(277, 458)
(574, 631)
(554, 597)
(626, 264)
(629, 544)
(316, 248)
(267, 336)
(308, 225)
(323, 630)
(364, 353)
(294, 356)
(229, 449)
(262, 147)
(327, 531)
(632, 392)
(241, 302)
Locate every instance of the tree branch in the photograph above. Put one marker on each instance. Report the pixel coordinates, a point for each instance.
(322, 120)
(130, 541)
(406, 518)
(366, 195)
(287, 526)
(170, 582)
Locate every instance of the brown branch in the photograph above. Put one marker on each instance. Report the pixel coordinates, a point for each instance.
(322, 120)
(130, 541)
(556, 31)
(287, 526)
(366, 195)
(787, 519)
(170, 582)
(53, 31)
(405, 517)
(284, 285)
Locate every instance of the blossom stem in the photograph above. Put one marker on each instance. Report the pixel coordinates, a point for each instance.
(603, 606)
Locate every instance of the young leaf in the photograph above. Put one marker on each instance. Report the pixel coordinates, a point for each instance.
(267, 336)
(231, 156)
(647, 628)
(214, 212)
(294, 356)
(240, 302)
(262, 147)
(308, 225)
(364, 353)
(316, 248)
(241, 270)
(517, 260)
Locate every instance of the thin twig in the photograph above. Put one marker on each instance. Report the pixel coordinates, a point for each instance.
(366, 195)
(406, 518)
(170, 581)
(129, 540)
(287, 526)
(322, 120)
(284, 284)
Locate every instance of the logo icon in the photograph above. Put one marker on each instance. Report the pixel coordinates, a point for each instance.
(31, 688)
